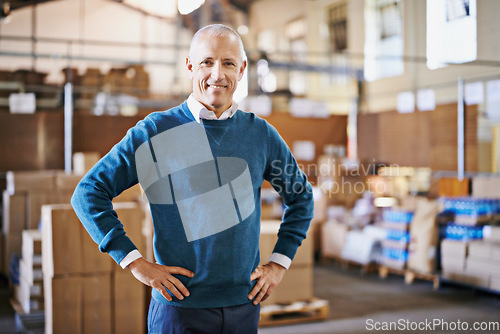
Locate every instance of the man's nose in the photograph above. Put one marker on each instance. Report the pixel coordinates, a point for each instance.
(217, 71)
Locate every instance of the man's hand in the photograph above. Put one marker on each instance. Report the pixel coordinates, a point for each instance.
(268, 276)
(160, 277)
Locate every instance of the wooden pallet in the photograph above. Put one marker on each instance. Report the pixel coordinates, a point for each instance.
(294, 313)
(410, 275)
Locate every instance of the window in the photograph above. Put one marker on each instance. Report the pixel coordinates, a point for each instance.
(384, 45)
(337, 23)
(451, 32)
(390, 19)
(457, 9)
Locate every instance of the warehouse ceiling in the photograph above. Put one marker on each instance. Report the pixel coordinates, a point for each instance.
(16, 4)
(221, 11)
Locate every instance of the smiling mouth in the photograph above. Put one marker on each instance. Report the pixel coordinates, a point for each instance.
(217, 86)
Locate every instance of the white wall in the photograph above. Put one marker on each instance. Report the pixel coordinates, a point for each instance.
(96, 20)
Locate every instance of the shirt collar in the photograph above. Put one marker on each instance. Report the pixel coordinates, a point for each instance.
(199, 111)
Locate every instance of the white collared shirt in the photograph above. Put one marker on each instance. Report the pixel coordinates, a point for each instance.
(199, 111)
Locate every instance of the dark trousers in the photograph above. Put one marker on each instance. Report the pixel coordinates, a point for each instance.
(166, 319)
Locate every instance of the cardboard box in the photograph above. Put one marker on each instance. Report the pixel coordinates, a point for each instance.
(63, 304)
(97, 314)
(486, 250)
(14, 213)
(453, 187)
(453, 264)
(61, 240)
(35, 201)
(486, 187)
(65, 186)
(132, 216)
(297, 285)
(454, 248)
(93, 261)
(333, 236)
(477, 265)
(132, 194)
(27, 181)
(269, 237)
(13, 223)
(129, 303)
(84, 161)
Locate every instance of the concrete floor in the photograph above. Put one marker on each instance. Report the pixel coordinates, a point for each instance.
(358, 300)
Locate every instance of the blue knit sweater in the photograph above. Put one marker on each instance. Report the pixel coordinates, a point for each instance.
(203, 183)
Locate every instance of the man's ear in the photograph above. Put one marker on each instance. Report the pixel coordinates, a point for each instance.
(189, 67)
(242, 69)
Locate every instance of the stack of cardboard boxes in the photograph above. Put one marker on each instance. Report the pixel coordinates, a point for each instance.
(297, 284)
(474, 262)
(26, 192)
(84, 289)
(74, 273)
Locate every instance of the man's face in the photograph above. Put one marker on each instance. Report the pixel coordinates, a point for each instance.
(215, 67)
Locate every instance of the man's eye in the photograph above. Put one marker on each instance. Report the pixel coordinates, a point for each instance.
(206, 62)
(230, 63)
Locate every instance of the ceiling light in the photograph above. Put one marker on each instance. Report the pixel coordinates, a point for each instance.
(187, 6)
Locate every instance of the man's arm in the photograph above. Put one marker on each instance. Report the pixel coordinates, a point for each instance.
(92, 202)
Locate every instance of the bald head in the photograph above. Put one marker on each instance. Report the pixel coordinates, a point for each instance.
(217, 30)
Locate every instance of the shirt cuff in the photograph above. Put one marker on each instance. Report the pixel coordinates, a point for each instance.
(131, 257)
(280, 259)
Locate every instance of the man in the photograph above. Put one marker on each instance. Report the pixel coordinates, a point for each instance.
(201, 165)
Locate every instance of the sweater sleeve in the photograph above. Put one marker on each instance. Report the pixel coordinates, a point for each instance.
(291, 183)
(92, 199)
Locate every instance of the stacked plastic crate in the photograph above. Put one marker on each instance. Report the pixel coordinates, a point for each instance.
(395, 245)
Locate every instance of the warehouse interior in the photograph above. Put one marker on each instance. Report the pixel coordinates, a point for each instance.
(390, 107)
